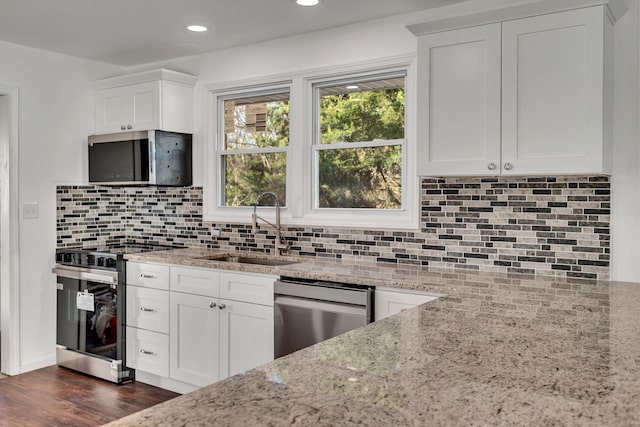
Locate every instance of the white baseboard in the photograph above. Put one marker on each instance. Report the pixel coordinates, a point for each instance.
(165, 383)
(42, 362)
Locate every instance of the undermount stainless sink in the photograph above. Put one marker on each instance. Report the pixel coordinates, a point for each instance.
(249, 260)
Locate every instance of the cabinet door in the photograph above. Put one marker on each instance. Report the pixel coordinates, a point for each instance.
(552, 99)
(148, 351)
(148, 309)
(112, 109)
(246, 336)
(144, 106)
(194, 337)
(459, 102)
(389, 302)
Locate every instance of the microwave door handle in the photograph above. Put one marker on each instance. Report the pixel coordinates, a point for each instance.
(152, 157)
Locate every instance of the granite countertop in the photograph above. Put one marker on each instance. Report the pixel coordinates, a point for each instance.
(498, 350)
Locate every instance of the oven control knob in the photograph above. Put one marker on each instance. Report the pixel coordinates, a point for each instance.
(69, 258)
(110, 263)
(100, 261)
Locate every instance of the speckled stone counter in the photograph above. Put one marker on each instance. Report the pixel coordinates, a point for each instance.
(498, 350)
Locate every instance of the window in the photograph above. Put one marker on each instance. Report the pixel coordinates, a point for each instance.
(336, 146)
(252, 155)
(359, 142)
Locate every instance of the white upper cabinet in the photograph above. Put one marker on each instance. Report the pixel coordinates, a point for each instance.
(520, 97)
(552, 93)
(159, 99)
(459, 106)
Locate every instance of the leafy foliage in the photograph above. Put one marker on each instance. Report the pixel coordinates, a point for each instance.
(249, 174)
(361, 177)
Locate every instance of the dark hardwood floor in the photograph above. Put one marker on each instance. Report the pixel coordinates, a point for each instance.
(56, 396)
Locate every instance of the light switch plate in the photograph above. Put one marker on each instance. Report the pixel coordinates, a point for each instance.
(30, 210)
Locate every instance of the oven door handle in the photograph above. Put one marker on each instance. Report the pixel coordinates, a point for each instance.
(110, 278)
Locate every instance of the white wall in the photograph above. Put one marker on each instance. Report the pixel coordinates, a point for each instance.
(56, 116)
(625, 193)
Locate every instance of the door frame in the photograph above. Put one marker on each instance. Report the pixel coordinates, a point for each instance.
(9, 242)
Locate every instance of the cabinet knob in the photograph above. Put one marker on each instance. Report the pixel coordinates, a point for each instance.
(129, 127)
(491, 166)
(221, 306)
(508, 166)
(123, 127)
(212, 305)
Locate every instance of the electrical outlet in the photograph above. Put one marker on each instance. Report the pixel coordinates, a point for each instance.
(216, 232)
(30, 210)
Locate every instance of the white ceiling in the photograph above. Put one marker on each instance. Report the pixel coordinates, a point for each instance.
(131, 32)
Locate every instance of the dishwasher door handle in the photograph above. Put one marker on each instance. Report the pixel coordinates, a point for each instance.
(332, 307)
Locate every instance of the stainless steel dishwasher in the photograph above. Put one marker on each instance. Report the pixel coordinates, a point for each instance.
(308, 311)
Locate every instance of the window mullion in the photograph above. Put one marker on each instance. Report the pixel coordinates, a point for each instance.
(254, 151)
(364, 144)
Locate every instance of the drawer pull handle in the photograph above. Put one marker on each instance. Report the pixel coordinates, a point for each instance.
(143, 351)
(148, 310)
(147, 276)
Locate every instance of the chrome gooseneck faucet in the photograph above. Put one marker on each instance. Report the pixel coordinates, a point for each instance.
(280, 244)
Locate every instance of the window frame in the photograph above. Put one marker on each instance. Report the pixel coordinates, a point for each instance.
(214, 208)
(300, 209)
(222, 152)
(317, 146)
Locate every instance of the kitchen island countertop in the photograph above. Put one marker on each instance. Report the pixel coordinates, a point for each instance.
(499, 349)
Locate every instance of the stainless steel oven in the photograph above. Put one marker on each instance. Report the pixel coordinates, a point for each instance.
(307, 312)
(91, 305)
(89, 329)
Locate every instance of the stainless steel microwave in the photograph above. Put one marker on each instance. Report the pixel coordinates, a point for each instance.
(152, 157)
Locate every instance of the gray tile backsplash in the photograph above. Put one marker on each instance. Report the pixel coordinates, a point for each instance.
(542, 225)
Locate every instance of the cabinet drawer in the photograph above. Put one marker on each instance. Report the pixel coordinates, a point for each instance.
(198, 281)
(246, 287)
(148, 275)
(148, 309)
(148, 351)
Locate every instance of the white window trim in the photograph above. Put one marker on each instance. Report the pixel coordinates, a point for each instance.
(299, 211)
(213, 193)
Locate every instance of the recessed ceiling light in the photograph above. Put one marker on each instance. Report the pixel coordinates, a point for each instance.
(351, 87)
(196, 28)
(307, 2)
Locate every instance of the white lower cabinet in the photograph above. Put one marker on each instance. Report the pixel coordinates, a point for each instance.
(194, 339)
(148, 351)
(198, 325)
(148, 309)
(246, 336)
(391, 301)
